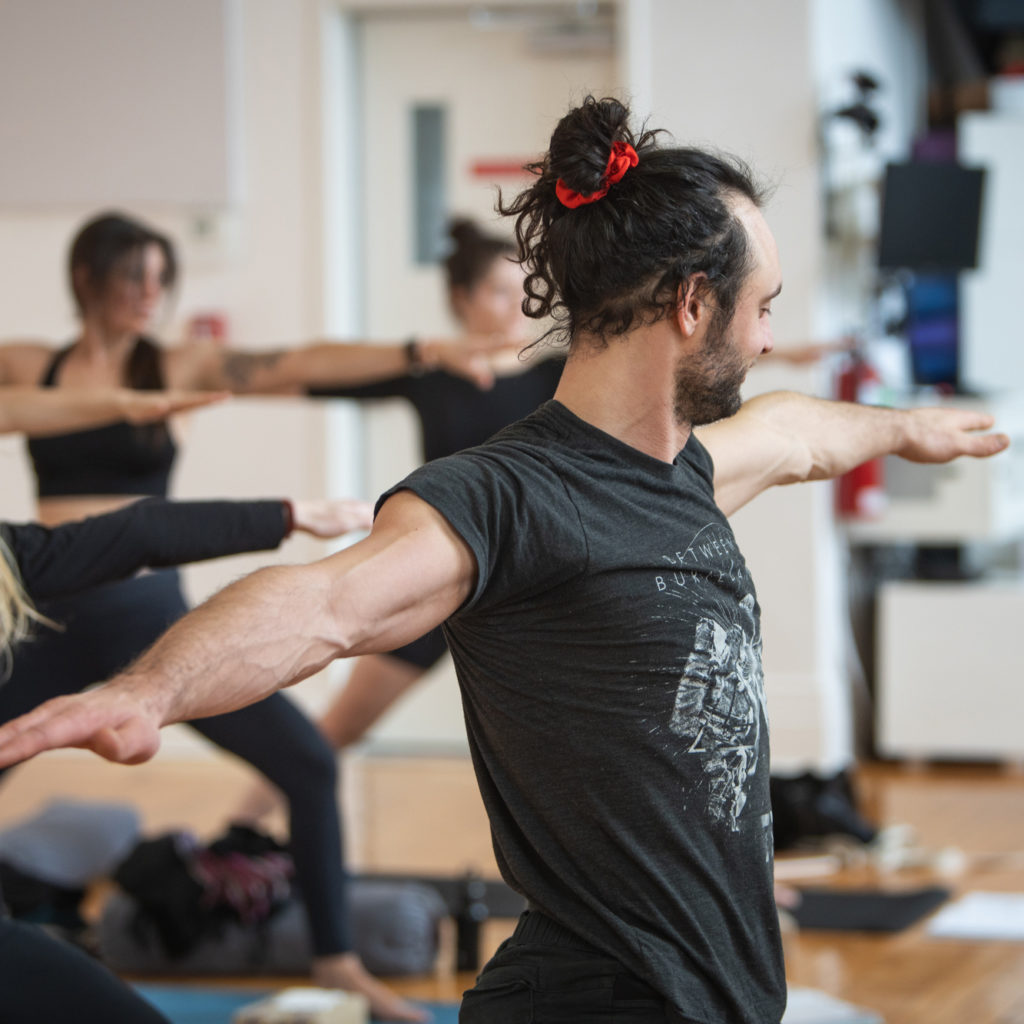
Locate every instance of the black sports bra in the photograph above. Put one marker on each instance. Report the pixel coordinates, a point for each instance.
(119, 459)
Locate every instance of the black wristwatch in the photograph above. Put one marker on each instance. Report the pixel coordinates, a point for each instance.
(415, 366)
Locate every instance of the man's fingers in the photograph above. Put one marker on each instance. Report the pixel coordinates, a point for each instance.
(131, 743)
(945, 434)
(31, 734)
(985, 445)
(972, 420)
(78, 722)
(18, 748)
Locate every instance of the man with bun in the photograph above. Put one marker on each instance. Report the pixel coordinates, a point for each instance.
(602, 621)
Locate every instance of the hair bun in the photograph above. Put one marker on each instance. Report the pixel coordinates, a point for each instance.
(582, 142)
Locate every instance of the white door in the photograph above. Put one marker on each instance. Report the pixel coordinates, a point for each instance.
(498, 88)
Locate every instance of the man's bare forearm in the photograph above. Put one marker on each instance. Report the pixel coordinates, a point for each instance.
(827, 438)
(267, 631)
(284, 623)
(838, 436)
(785, 437)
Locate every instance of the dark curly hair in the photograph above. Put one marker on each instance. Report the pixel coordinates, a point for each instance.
(608, 266)
(105, 244)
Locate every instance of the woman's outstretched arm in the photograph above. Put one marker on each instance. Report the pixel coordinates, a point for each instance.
(325, 363)
(154, 533)
(42, 411)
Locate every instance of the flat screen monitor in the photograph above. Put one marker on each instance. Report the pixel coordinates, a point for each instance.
(930, 217)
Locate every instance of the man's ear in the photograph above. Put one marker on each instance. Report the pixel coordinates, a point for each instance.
(691, 309)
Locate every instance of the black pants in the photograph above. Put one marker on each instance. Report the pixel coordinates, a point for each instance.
(545, 975)
(425, 651)
(109, 626)
(44, 979)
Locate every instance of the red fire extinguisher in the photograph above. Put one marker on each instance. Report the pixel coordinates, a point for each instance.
(860, 493)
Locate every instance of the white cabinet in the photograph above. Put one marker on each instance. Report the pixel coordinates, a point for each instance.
(950, 680)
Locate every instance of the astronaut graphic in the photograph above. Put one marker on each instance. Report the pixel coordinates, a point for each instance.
(719, 711)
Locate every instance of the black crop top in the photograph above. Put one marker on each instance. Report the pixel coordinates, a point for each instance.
(454, 413)
(118, 459)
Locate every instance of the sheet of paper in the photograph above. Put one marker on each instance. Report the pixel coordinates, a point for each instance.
(809, 1006)
(981, 915)
(789, 869)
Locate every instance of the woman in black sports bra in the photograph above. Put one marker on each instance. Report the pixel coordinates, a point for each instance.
(121, 271)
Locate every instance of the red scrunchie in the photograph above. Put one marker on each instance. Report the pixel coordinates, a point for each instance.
(622, 157)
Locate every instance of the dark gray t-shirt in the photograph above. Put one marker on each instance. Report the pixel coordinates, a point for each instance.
(610, 665)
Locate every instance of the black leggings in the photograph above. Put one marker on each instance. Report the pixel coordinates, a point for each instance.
(109, 626)
(544, 974)
(424, 652)
(44, 979)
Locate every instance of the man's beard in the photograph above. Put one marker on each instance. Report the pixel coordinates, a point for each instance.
(707, 386)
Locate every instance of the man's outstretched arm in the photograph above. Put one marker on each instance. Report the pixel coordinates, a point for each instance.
(267, 631)
(785, 437)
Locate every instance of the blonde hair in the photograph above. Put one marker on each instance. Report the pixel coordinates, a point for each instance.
(16, 610)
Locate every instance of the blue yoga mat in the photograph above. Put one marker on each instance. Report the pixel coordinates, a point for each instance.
(196, 1004)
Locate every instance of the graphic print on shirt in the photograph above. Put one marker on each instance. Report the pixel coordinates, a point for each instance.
(719, 713)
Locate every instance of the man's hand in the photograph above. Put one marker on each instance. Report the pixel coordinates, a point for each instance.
(332, 518)
(941, 435)
(111, 721)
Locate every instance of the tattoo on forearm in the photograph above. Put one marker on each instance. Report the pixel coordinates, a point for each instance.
(239, 367)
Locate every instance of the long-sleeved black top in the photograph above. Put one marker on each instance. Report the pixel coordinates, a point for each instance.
(153, 533)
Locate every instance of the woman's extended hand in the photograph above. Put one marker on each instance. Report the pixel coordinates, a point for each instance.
(332, 518)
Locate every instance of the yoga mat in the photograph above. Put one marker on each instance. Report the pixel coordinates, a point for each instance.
(865, 910)
(199, 1004)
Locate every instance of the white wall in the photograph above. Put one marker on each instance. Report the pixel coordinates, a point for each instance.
(126, 61)
(884, 38)
(990, 339)
(260, 262)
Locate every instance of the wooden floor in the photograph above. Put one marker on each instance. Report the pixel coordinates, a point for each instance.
(908, 977)
(975, 814)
